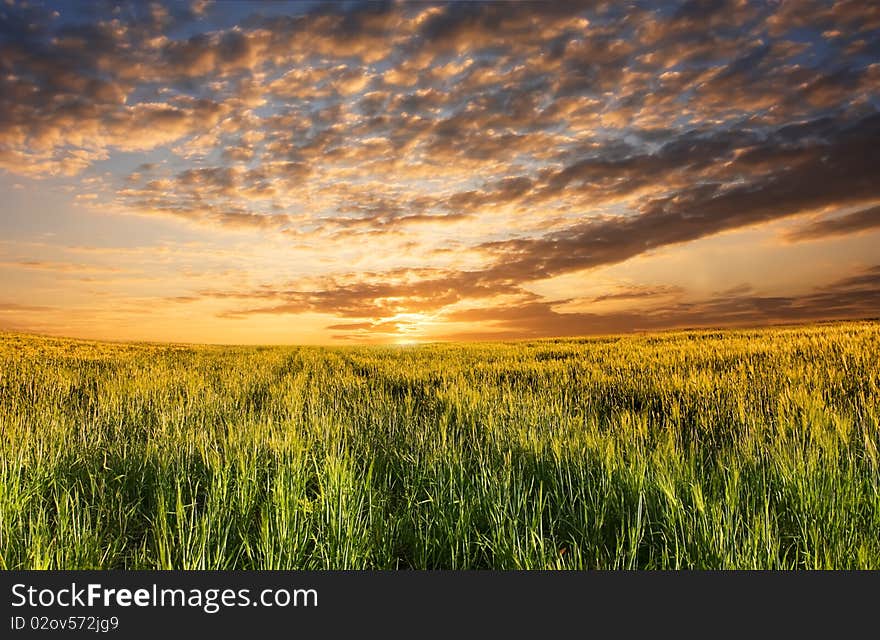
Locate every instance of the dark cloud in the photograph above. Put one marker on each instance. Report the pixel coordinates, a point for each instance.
(853, 297)
(639, 293)
(862, 220)
(479, 25)
(843, 169)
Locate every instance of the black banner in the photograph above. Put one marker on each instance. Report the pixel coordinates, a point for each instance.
(406, 604)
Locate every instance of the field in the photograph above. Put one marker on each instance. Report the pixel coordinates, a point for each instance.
(733, 449)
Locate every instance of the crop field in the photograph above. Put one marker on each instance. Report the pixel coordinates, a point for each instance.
(698, 449)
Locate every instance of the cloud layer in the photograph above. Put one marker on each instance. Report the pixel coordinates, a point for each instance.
(443, 158)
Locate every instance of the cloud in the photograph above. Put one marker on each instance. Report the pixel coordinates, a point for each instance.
(861, 220)
(59, 267)
(639, 293)
(15, 307)
(837, 170)
(856, 296)
(444, 153)
(369, 295)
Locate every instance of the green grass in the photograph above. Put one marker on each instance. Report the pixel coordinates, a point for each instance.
(734, 449)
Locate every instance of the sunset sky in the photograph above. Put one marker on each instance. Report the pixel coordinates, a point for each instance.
(268, 172)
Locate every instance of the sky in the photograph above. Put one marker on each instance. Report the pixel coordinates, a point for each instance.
(269, 172)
